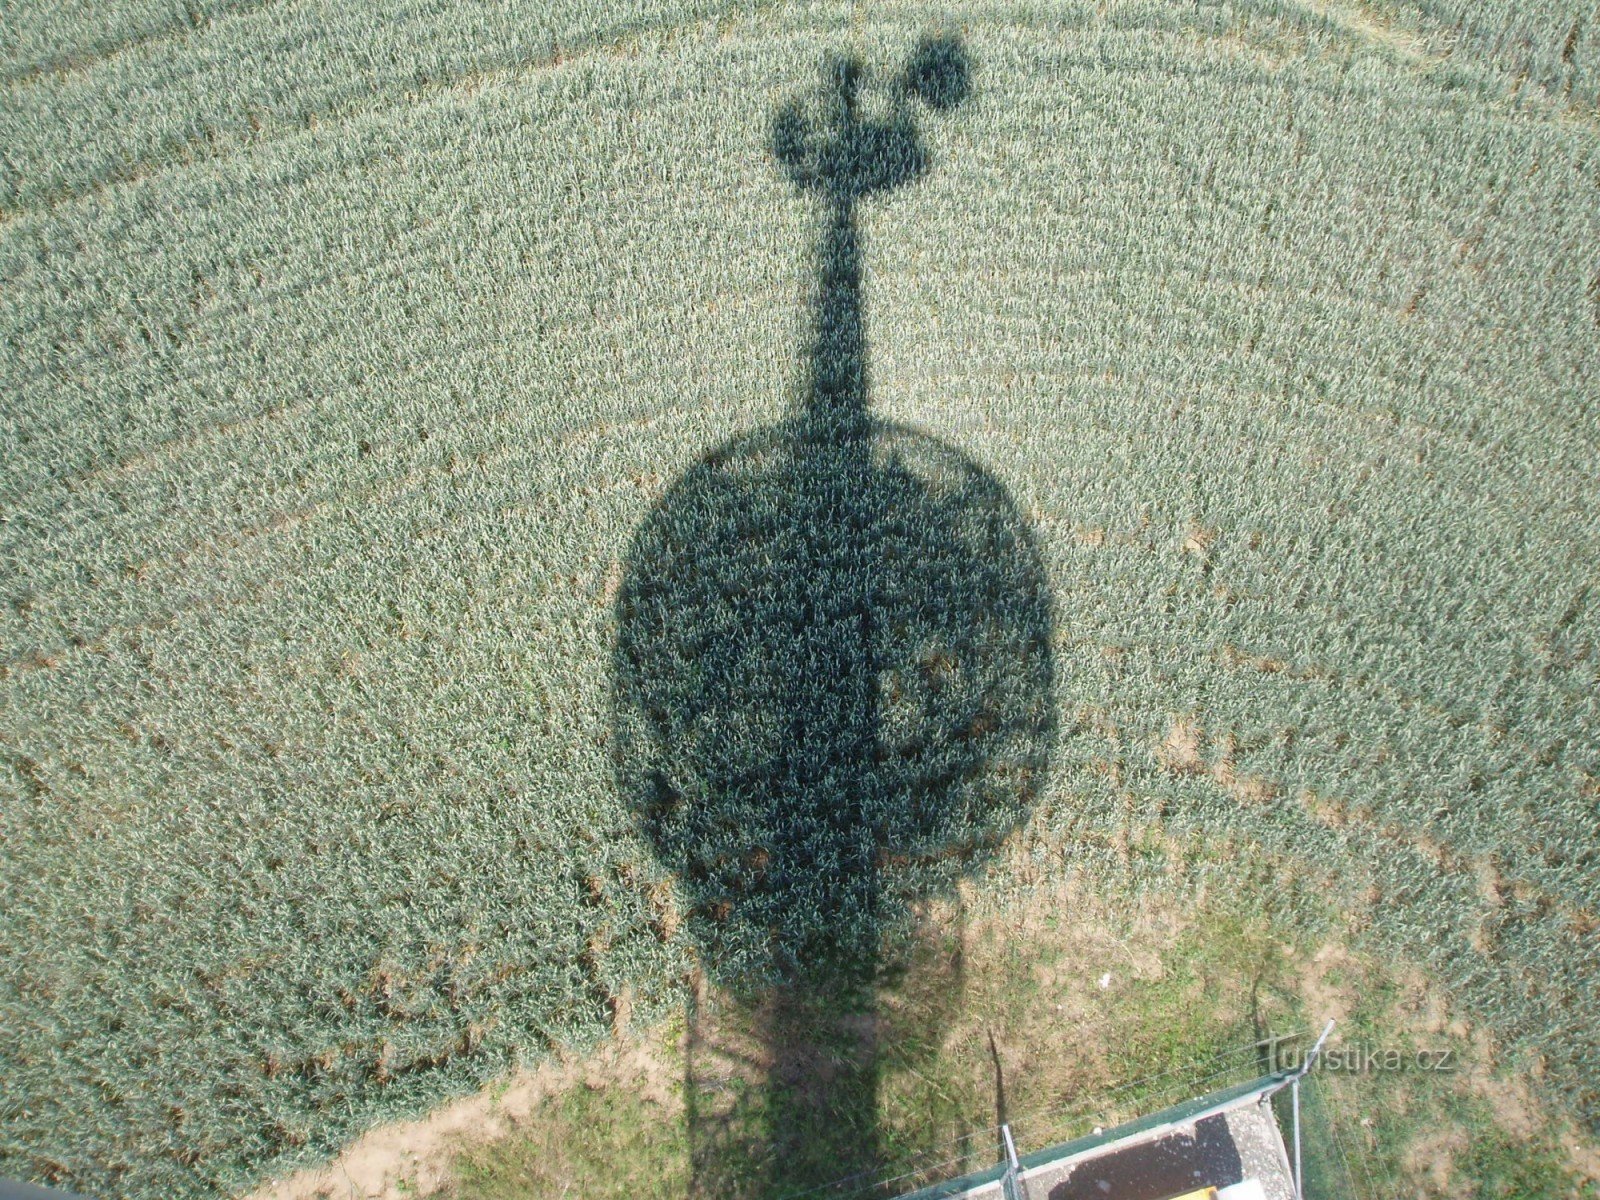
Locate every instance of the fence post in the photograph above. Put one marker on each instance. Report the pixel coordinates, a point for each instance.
(1011, 1181)
(1294, 1097)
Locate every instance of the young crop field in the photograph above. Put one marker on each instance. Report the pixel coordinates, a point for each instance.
(490, 502)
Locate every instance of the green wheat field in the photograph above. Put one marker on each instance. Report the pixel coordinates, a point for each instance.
(348, 346)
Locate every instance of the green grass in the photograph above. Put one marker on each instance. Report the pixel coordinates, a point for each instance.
(610, 1138)
(1501, 1167)
(346, 349)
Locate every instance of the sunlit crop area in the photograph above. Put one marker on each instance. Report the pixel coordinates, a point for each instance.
(347, 349)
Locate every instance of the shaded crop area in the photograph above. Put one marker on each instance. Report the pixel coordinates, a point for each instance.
(346, 397)
(834, 674)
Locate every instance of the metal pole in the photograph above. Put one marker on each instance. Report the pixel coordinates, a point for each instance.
(1294, 1093)
(1294, 1096)
(1009, 1183)
(1317, 1049)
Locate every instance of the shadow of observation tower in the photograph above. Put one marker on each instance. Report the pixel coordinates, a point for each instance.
(832, 689)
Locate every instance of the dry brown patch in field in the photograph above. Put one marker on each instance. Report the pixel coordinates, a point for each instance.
(1584, 1159)
(1420, 1007)
(1325, 810)
(1491, 886)
(1431, 1156)
(1244, 789)
(612, 584)
(1509, 1098)
(1328, 997)
(1180, 753)
(1199, 539)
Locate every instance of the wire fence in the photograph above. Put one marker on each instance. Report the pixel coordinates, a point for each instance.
(1053, 1124)
(1341, 1148)
(1340, 1154)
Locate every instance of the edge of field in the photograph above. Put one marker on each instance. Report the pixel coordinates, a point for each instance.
(1065, 1001)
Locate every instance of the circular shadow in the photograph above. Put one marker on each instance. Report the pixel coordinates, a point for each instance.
(832, 687)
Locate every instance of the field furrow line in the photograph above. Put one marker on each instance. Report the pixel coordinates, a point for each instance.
(205, 554)
(18, 77)
(210, 148)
